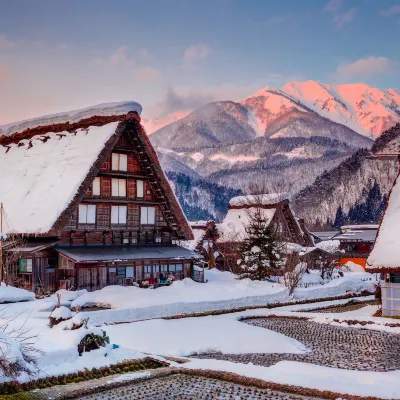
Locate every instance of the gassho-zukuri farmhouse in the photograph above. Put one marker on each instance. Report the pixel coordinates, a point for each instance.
(85, 192)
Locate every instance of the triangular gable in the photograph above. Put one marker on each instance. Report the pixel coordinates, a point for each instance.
(45, 177)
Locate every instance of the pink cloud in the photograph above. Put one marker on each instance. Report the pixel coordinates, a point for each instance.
(195, 53)
(344, 18)
(147, 73)
(365, 67)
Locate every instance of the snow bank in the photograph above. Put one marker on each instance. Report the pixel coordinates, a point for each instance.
(223, 291)
(61, 313)
(101, 110)
(11, 294)
(188, 336)
(361, 383)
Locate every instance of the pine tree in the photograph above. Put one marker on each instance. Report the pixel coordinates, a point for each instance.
(260, 256)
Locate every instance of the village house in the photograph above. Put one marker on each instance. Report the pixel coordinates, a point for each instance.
(221, 243)
(86, 196)
(385, 256)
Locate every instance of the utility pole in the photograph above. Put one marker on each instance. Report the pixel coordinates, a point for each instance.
(1, 242)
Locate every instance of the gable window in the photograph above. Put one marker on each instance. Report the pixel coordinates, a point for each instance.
(96, 187)
(147, 215)
(119, 162)
(87, 214)
(118, 215)
(118, 187)
(139, 188)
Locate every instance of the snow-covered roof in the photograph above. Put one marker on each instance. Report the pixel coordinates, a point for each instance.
(386, 251)
(38, 182)
(44, 166)
(198, 236)
(358, 227)
(101, 110)
(233, 227)
(259, 199)
(367, 235)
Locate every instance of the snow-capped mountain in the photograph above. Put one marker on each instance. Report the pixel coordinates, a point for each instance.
(291, 135)
(366, 110)
(354, 191)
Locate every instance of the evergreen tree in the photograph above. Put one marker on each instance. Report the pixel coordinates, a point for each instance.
(340, 218)
(260, 256)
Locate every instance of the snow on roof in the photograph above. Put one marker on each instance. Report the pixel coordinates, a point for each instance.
(39, 182)
(101, 110)
(361, 226)
(330, 246)
(367, 235)
(386, 251)
(198, 236)
(262, 199)
(233, 227)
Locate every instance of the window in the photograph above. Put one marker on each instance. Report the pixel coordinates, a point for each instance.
(179, 267)
(118, 187)
(112, 270)
(147, 269)
(158, 239)
(119, 162)
(134, 240)
(139, 189)
(87, 214)
(96, 187)
(126, 241)
(148, 215)
(130, 272)
(121, 272)
(118, 214)
(164, 268)
(25, 265)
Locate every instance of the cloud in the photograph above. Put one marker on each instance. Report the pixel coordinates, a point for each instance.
(176, 102)
(5, 43)
(365, 67)
(339, 18)
(344, 18)
(119, 56)
(195, 53)
(147, 73)
(388, 12)
(333, 6)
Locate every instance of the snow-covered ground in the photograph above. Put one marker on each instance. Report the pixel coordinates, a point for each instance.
(222, 291)
(10, 294)
(184, 337)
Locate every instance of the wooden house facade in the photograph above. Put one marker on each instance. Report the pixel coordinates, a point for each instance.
(227, 238)
(119, 218)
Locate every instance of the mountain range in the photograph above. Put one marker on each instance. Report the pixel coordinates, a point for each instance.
(289, 136)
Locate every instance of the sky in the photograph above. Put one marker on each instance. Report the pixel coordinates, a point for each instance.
(171, 55)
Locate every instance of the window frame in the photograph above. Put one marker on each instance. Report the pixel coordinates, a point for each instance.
(146, 209)
(87, 208)
(123, 186)
(119, 207)
(116, 160)
(142, 188)
(97, 179)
